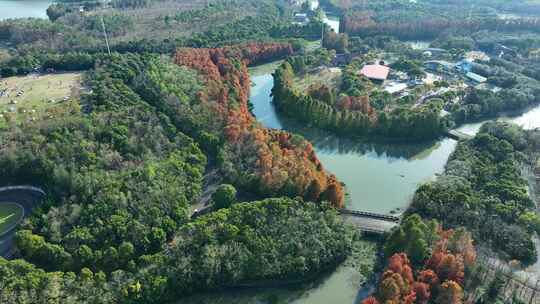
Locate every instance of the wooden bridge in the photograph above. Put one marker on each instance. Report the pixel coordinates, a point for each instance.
(457, 135)
(370, 222)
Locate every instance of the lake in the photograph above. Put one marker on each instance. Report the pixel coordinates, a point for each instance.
(23, 8)
(379, 177)
(332, 21)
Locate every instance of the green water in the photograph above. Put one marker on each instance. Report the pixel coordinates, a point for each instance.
(23, 8)
(344, 285)
(379, 177)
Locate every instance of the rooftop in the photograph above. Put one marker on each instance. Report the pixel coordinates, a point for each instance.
(395, 87)
(476, 77)
(435, 50)
(375, 71)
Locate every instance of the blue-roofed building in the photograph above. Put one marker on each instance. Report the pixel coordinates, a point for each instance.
(438, 66)
(475, 77)
(464, 66)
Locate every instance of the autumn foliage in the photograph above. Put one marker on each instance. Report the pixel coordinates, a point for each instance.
(364, 23)
(440, 279)
(274, 161)
(354, 103)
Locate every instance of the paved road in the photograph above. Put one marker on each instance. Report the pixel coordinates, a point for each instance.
(26, 198)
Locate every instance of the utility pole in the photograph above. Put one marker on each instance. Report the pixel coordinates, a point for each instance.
(105, 34)
(322, 32)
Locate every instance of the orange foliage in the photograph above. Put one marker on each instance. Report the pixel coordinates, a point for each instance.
(429, 277)
(447, 266)
(280, 161)
(452, 252)
(450, 293)
(443, 273)
(393, 288)
(356, 20)
(397, 280)
(361, 104)
(371, 300)
(422, 292)
(399, 263)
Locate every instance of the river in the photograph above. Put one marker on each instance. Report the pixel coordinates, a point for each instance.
(528, 120)
(379, 178)
(23, 8)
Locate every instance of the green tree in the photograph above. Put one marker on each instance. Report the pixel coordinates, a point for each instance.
(224, 196)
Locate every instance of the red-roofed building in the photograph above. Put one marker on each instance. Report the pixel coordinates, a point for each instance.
(375, 72)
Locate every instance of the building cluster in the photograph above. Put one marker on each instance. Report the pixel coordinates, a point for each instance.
(401, 84)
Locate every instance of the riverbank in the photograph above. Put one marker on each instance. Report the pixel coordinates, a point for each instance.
(366, 167)
(348, 283)
(379, 177)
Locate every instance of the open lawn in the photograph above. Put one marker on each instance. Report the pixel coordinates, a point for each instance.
(4, 54)
(30, 97)
(10, 214)
(327, 76)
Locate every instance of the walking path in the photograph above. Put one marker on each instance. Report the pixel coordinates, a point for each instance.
(26, 197)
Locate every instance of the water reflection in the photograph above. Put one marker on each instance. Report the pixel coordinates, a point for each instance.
(326, 142)
(264, 110)
(528, 120)
(380, 177)
(341, 285)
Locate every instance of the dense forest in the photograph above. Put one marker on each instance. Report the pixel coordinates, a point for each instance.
(163, 126)
(483, 190)
(123, 169)
(151, 29)
(426, 20)
(243, 244)
(275, 151)
(122, 172)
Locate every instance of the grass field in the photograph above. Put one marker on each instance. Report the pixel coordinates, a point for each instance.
(4, 54)
(29, 97)
(327, 76)
(10, 214)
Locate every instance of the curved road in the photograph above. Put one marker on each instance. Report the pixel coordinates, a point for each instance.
(25, 196)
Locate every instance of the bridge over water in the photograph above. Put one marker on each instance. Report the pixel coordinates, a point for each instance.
(457, 135)
(370, 222)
